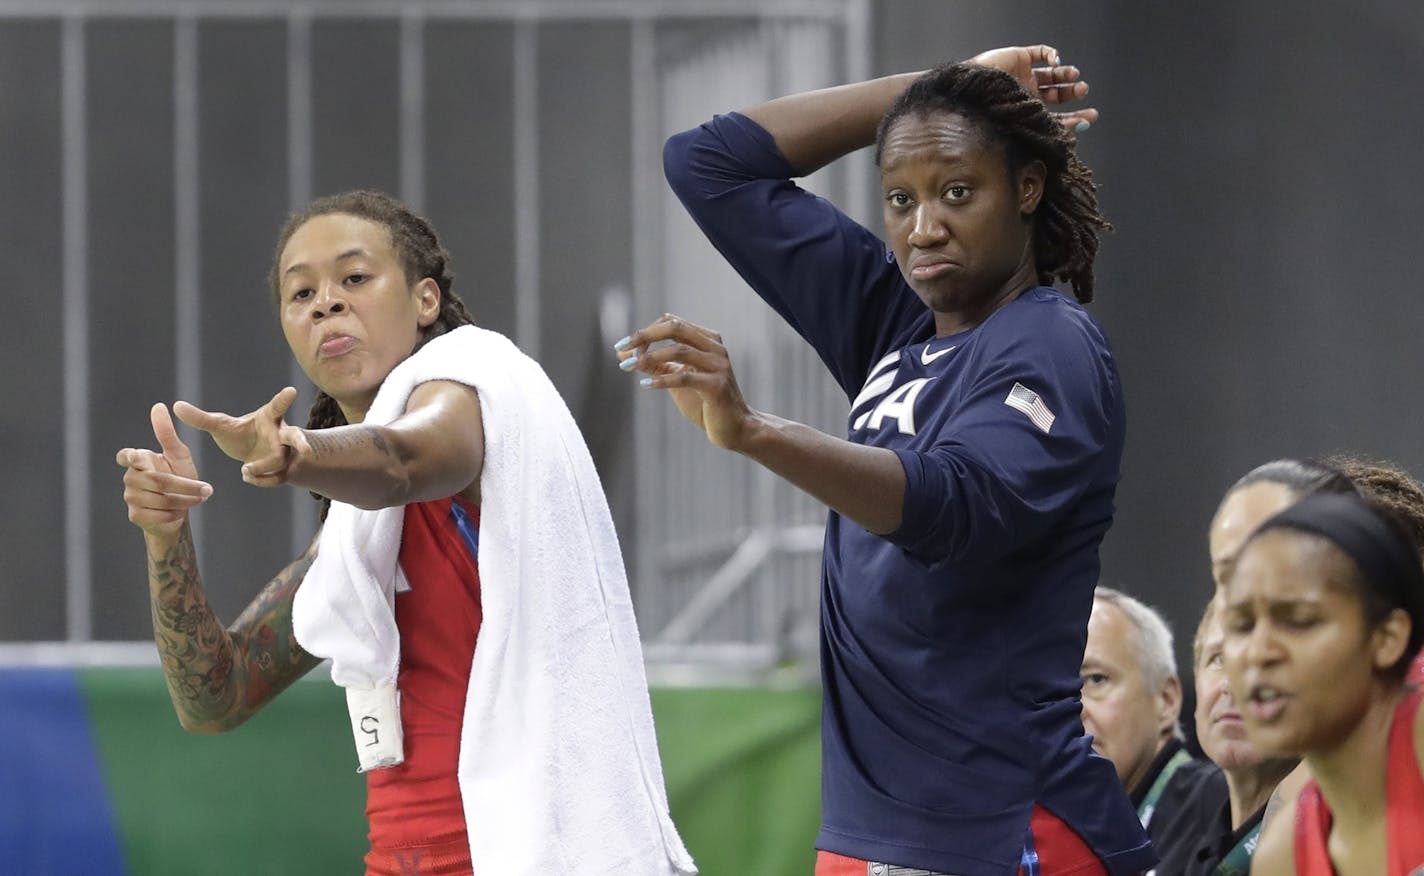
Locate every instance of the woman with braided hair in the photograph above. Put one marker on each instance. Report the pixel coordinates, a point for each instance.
(976, 482)
(1322, 610)
(1217, 834)
(440, 451)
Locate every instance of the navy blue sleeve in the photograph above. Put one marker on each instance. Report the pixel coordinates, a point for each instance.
(829, 277)
(1000, 473)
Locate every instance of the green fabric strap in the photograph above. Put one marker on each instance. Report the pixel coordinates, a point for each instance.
(1149, 803)
(1238, 861)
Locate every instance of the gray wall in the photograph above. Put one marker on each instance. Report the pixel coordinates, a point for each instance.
(1261, 165)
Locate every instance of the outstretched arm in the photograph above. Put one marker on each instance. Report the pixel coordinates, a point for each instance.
(814, 128)
(216, 677)
(433, 450)
(863, 484)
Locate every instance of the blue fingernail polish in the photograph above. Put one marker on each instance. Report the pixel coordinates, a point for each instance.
(646, 381)
(627, 364)
(623, 343)
(1082, 126)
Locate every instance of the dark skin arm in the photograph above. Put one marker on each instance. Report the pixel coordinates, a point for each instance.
(863, 484)
(811, 129)
(814, 128)
(217, 678)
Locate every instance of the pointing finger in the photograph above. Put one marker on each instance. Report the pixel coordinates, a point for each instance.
(164, 431)
(198, 418)
(282, 401)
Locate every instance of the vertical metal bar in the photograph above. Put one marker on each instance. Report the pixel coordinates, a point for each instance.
(412, 109)
(782, 50)
(299, 192)
(299, 109)
(187, 304)
(860, 192)
(647, 247)
(526, 185)
(78, 622)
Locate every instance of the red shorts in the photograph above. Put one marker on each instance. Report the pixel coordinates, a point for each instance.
(450, 858)
(1054, 849)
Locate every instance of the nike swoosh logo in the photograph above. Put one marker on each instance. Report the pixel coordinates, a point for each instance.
(926, 357)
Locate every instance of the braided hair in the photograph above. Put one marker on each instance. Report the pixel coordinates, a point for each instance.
(421, 255)
(1389, 488)
(1067, 221)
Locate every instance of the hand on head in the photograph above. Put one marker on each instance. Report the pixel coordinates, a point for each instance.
(692, 364)
(160, 487)
(261, 440)
(1039, 69)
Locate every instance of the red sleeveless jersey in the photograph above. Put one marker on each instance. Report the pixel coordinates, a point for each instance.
(417, 822)
(1404, 807)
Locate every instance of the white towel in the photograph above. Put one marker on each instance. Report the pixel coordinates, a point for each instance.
(559, 770)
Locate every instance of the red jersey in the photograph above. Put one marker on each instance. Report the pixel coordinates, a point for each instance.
(1404, 807)
(417, 820)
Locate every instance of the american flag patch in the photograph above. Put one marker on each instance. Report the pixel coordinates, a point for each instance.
(1021, 398)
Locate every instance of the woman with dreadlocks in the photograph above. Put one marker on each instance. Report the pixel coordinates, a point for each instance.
(440, 452)
(976, 482)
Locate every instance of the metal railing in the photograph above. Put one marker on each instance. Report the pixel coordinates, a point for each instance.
(725, 556)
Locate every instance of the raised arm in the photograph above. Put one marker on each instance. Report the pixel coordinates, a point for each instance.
(433, 450)
(814, 128)
(217, 678)
(827, 275)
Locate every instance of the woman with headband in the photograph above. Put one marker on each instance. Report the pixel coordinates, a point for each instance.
(1323, 609)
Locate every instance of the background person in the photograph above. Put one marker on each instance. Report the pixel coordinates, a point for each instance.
(1322, 611)
(1132, 705)
(1273, 486)
(1216, 829)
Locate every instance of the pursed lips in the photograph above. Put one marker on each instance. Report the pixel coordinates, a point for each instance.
(335, 344)
(929, 265)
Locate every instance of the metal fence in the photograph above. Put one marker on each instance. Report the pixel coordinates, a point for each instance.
(152, 148)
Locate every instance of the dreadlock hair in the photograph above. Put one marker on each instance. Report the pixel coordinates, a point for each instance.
(1389, 488)
(1067, 221)
(421, 254)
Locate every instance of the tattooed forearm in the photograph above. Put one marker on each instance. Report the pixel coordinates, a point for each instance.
(269, 657)
(365, 466)
(195, 650)
(218, 678)
(324, 442)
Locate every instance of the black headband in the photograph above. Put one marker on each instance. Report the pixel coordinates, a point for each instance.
(1388, 561)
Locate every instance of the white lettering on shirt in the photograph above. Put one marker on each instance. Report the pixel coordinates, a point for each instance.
(899, 406)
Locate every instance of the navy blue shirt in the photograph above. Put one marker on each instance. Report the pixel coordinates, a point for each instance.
(950, 649)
